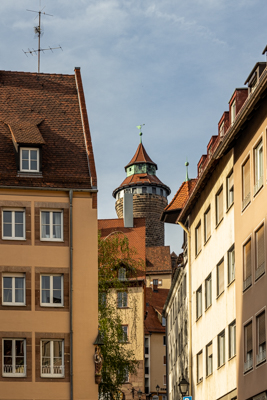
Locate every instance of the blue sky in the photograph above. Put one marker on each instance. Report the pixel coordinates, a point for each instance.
(171, 65)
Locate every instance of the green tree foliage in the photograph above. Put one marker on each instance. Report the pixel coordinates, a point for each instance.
(114, 253)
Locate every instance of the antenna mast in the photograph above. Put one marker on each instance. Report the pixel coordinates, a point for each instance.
(38, 30)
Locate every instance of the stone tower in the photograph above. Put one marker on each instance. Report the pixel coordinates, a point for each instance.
(149, 195)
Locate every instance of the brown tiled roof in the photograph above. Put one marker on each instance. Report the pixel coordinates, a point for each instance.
(141, 179)
(158, 259)
(141, 156)
(136, 236)
(154, 303)
(47, 110)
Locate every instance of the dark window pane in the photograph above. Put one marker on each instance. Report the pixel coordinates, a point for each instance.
(45, 282)
(19, 217)
(7, 216)
(33, 155)
(18, 230)
(56, 282)
(7, 347)
(7, 282)
(19, 344)
(25, 164)
(7, 230)
(45, 296)
(7, 295)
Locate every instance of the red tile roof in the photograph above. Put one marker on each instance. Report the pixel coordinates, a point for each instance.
(140, 156)
(154, 302)
(136, 236)
(47, 110)
(181, 196)
(158, 260)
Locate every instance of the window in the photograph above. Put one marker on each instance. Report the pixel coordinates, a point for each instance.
(248, 349)
(221, 129)
(199, 302)
(52, 225)
(231, 264)
(230, 189)
(153, 190)
(208, 292)
(14, 357)
(261, 338)
(164, 340)
(219, 206)
(52, 290)
(258, 167)
(164, 380)
(155, 282)
(207, 224)
(144, 189)
(163, 321)
(221, 348)
(13, 290)
(13, 224)
(220, 277)
(52, 358)
(29, 160)
(260, 256)
(199, 366)
(232, 339)
(122, 299)
(209, 357)
(164, 360)
(233, 112)
(122, 274)
(124, 333)
(246, 183)
(247, 279)
(198, 238)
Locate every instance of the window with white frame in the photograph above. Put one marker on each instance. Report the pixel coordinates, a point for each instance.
(13, 289)
(52, 290)
(261, 338)
(233, 111)
(209, 359)
(52, 225)
(247, 270)
(52, 364)
(29, 159)
(219, 206)
(199, 366)
(198, 238)
(122, 274)
(14, 357)
(122, 298)
(207, 224)
(221, 348)
(231, 264)
(13, 224)
(199, 302)
(258, 167)
(220, 277)
(248, 347)
(260, 252)
(232, 339)
(230, 189)
(246, 183)
(208, 292)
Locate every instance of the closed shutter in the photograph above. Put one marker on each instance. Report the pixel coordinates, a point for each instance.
(247, 260)
(249, 337)
(246, 179)
(260, 247)
(261, 320)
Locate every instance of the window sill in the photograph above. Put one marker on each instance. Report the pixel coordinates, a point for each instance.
(208, 307)
(207, 376)
(198, 318)
(246, 206)
(229, 208)
(52, 376)
(248, 370)
(257, 191)
(231, 358)
(221, 366)
(51, 305)
(198, 254)
(261, 362)
(219, 295)
(207, 240)
(260, 275)
(14, 239)
(123, 308)
(14, 304)
(52, 240)
(219, 223)
(249, 286)
(14, 375)
(29, 174)
(230, 283)
(200, 381)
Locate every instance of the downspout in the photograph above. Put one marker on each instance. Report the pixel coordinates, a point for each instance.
(167, 356)
(71, 300)
(189, 308)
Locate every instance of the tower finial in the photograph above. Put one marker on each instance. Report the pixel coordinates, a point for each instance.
(140, 133)
(187, 176)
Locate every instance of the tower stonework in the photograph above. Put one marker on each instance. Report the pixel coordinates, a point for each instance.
(149, 195)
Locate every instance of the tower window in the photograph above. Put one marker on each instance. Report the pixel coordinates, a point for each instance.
(144, 189)
(153, 190)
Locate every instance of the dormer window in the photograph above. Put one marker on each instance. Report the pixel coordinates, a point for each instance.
(29, 159)
(233, 112)
(222, 129)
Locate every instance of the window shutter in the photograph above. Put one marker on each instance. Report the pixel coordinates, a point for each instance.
(246, 179)
(247, 259)
(262, 338)
(249, 337)
(260, 246)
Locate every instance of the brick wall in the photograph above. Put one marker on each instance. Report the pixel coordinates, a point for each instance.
(136, 382)
(150, 207)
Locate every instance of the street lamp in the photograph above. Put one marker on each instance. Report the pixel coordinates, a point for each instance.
(139, 394)
(183, 386)
(157, 389)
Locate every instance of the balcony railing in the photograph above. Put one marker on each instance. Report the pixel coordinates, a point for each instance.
(260, 271)
(247, 283)
(246, 201)
(261, 356)
(248, 364)
(55, 370)
(19, 369)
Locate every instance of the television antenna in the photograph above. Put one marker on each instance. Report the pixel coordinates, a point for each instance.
(39, 32)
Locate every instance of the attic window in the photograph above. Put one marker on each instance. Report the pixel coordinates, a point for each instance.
(29, 159)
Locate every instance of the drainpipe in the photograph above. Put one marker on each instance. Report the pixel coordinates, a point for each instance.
(71, 300)
(189, 308)
(167, 356)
